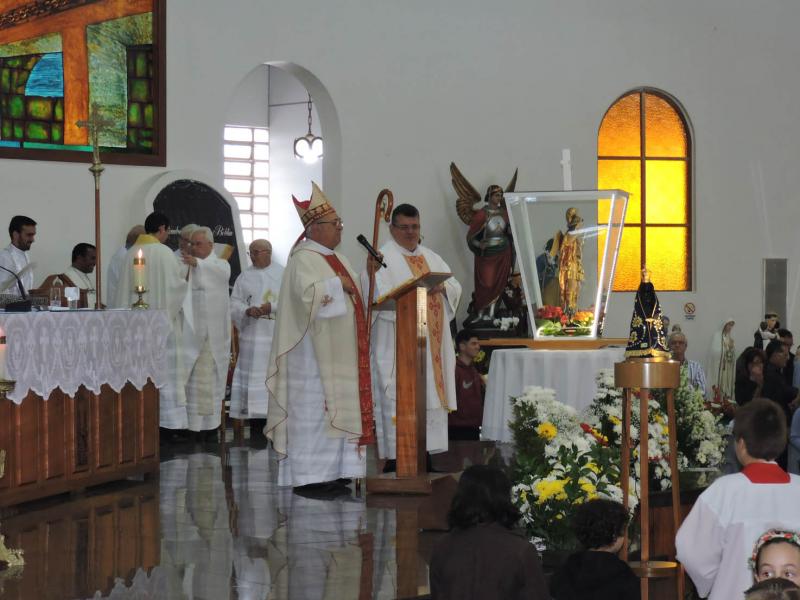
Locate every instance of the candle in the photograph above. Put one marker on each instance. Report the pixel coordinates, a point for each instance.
(2, 354)
(138, 271)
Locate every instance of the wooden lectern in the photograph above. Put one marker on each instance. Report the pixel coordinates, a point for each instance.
(410, 301)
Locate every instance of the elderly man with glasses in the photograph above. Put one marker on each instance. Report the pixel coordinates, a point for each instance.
(254, 303)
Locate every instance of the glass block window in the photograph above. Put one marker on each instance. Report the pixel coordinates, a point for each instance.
(246, 170)
(644, 148)
(141, 102)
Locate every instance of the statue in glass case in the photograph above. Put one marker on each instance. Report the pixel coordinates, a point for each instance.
(568, 246)
(489, 240)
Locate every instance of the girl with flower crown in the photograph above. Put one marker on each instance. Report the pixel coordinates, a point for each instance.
(776, 554)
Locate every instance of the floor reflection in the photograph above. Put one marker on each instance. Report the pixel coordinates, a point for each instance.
(214, 527)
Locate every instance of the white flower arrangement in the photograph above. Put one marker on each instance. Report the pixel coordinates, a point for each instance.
(506, 323)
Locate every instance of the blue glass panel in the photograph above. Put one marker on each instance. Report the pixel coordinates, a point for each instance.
(47, 77)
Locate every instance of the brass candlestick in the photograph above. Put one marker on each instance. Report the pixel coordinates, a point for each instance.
(140, 303)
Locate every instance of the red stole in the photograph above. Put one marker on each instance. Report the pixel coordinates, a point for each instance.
(364, 381)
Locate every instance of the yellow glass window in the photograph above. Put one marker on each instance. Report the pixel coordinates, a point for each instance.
(644, 148)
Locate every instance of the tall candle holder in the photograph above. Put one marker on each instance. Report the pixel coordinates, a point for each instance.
(140, 303)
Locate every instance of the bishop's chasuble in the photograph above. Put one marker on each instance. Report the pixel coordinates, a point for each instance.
(320, 400)
(440, 387)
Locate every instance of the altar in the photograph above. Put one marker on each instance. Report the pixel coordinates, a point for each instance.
(571, 373)
(85, 407)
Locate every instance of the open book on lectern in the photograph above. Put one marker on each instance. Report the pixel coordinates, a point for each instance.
(428, 281)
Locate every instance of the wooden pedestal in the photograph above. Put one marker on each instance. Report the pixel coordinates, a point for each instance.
(70, 443)
(646, 374)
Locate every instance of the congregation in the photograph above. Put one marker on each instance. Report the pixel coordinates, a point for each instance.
(311, 372)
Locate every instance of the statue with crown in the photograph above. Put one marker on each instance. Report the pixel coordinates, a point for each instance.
(318, 376)
(648, 332)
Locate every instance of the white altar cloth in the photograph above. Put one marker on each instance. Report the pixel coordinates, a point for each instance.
(570, 373)
(49, 350)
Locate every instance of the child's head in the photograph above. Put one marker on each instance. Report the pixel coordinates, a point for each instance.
(759, 431)
(776, 554)
(773, 589)
(600, 524)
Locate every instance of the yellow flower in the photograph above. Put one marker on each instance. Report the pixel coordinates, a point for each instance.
(593, 468)
(587, 486)
(614, 420)
(547, 430)
(547, 489)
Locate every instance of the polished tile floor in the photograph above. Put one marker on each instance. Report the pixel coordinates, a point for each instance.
(214, 526)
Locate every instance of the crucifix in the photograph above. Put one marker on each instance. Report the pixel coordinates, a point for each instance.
(94, 125)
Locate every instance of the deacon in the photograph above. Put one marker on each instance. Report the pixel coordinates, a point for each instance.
(407, 259)
(84, 260)
(14, 257)
(320, 403)
(254, 302)
(207, 335)
(117, 263)
(166, 290)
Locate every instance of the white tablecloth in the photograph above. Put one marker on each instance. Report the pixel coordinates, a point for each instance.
(570, 373)
(49, 350)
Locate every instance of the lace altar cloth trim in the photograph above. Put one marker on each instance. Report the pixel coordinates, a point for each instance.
(49, 350)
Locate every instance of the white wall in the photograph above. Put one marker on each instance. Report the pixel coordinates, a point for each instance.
(490, 86)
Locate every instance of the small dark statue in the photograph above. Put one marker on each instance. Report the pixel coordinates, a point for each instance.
(489, 239)
(648, 337)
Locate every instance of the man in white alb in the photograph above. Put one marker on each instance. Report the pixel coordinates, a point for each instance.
(14, 257)
(166, 289)
(207, 337)
(320, 403)
(84, 259)
(407, 259)
(254, 303)
(118, 260)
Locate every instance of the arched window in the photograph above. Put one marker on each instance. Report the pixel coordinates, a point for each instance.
(644, 147)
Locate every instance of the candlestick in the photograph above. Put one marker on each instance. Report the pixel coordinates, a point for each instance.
(139, 278)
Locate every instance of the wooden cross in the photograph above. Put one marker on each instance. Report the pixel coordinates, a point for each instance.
(94, 125)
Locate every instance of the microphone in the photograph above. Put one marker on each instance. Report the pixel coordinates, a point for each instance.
(368, 247)
(19, 282)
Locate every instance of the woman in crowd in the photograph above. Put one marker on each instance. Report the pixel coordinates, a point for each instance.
(749, 375)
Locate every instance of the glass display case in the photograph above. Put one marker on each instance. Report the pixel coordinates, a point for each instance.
(567, 245)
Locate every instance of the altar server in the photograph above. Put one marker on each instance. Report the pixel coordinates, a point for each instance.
(254, 302)
(115, 266)
(717, 537)
(166, 290)
(320, 403)
(207, 336)
(407, 259)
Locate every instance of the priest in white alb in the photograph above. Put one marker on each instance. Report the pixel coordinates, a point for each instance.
(320, 404)
(117, 263)
(166, 290)
(84, 260)
(15, 259)
(407, 259)
(254, 303)
(207, 336)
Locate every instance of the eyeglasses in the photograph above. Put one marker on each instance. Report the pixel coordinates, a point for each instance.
(406, 228)
(335, 223)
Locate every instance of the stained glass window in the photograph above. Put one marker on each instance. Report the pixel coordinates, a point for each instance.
(246, 169)
(644, 148)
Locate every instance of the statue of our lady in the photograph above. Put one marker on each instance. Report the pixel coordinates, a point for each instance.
(648, 336)
(721, 365)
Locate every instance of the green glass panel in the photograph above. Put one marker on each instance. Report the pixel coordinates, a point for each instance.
(7, 130)
(140, 90)
(5, 81)
(148, 115)
(134, 115)
(58, 110)
(19, 130)
(57, 132)
(14, 62)
(132, 137)
(146, 144)
(145, 134)
(16, 107)
(22, 80)
(40, 109)
(37, 132)
(141, 64)
(131, 63)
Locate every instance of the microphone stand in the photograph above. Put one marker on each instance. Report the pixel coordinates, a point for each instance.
(23, 305)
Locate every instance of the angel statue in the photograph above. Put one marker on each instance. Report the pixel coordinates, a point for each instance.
(569, 247)
(489, 239)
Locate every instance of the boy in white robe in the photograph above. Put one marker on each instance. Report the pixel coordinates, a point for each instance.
(254, 303)
(717, 537)
(407, 259)
(207, 336)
